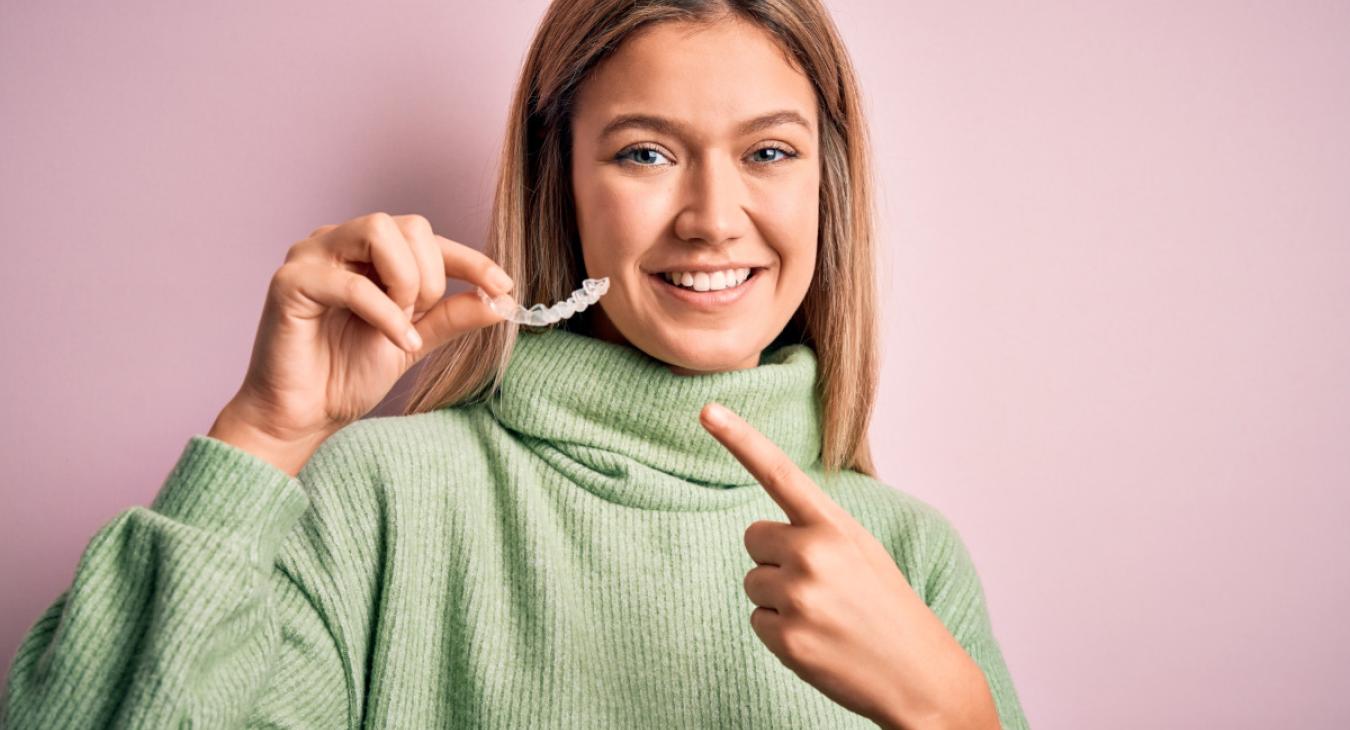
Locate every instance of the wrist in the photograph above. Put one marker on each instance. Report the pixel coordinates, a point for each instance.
(965, 703)
(235, 427)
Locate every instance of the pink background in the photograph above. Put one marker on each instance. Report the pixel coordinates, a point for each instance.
(1116, 277)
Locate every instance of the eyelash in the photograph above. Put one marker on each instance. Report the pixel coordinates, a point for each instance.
(622, 155)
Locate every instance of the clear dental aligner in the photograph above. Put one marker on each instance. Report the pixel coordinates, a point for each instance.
(538, 316)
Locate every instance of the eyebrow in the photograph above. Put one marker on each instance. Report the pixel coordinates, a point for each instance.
(662, 125)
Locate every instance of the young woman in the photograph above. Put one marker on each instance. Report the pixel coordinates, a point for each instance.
(564, 529)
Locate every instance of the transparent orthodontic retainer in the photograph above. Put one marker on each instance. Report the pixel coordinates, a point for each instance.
(538, 316)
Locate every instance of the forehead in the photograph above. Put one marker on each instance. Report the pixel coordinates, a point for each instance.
(711, 75)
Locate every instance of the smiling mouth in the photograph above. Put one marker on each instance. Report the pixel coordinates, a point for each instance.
(710, 299)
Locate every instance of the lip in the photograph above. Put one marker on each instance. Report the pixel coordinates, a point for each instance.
(708, 301)
(708, 268)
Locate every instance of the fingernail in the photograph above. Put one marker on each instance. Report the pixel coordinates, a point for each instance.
(499, 279)
(502, 305)
(716, 414)
(413, 338)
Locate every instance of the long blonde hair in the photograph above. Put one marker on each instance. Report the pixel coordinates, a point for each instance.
(532, 232)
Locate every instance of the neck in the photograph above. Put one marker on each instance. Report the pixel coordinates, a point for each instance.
(619, 421)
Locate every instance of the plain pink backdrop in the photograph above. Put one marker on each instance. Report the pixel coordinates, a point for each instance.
(1116, 276)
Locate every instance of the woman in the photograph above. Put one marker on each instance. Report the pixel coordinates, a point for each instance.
(558, 531)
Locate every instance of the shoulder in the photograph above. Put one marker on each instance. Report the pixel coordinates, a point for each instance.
(918, 535)
(386, 459)
(891, 509)
(382, 445)
(378, 471)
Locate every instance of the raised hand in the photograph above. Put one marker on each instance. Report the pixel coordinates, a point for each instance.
(834, 607)
(353, 307)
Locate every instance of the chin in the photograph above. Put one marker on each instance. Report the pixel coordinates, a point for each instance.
(728, 350)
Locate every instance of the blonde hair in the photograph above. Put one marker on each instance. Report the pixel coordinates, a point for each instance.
(532, 231)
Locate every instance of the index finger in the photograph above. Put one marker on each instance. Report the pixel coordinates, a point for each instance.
(799, 497)
(471, 265)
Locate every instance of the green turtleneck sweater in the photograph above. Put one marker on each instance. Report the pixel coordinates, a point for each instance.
(568, 554)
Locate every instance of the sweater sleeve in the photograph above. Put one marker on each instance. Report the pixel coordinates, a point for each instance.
(182, 614)
(956, 596)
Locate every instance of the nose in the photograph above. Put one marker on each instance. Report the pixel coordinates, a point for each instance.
(714, 202)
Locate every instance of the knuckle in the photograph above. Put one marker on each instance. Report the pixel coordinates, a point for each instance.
(427, 296)
(797, 597)
(780, 470)
(285, 278)
(376, 226)
(812, 557)
(304, 248)
(414, 223)
(293, 251)
(793, 642)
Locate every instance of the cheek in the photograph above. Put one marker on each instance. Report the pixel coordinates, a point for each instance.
(790, 221)
(617, 215)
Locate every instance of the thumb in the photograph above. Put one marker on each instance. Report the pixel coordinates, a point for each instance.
(451, 317)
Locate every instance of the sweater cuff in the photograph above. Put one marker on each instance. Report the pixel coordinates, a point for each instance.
(226, 490)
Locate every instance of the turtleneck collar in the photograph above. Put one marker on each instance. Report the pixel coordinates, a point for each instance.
(611, 416)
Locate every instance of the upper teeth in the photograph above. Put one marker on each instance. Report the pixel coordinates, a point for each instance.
(708, 281)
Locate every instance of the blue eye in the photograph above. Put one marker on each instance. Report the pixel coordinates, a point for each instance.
(645, 152)
(784, 154)
(645, 156)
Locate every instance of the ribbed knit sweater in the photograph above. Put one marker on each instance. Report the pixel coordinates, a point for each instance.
(568, 553)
